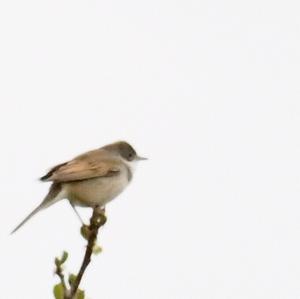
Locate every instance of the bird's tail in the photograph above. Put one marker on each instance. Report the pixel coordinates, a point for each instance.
(51, 198)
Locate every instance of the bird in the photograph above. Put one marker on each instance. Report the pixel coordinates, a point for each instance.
(91, 179)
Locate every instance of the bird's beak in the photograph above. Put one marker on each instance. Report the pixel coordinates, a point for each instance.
(140, 158)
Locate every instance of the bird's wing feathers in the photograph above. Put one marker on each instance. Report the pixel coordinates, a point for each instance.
(46, 177)
(86, 166)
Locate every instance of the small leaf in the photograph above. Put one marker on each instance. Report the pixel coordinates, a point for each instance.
(85, 231)
(64, 257)
(58, 291)
(72, 278)
(97, 249)
(80, 294)
(57, 262)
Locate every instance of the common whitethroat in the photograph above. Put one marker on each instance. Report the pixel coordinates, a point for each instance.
(91, 179)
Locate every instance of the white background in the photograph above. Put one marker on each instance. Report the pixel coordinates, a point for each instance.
(209, 91)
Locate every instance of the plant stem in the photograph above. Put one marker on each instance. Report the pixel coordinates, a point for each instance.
(97, 220)
(59, 273)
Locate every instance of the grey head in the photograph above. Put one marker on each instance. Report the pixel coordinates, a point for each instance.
(125, 150)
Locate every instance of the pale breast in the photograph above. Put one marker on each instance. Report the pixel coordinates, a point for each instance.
(97, 191)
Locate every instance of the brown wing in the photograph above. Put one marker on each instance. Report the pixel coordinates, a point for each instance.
(87, 166)
(51, 171)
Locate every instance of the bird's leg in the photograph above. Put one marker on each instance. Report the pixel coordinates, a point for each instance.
(76, 212)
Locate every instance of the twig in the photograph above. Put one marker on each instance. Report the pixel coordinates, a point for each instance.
(90, 233)
(97, 220)
(59, 273)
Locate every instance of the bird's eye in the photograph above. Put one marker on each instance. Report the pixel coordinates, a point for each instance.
(130, 156)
